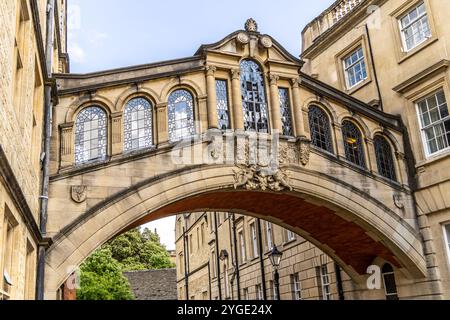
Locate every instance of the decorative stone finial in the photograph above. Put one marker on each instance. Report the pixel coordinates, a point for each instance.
(251, 25)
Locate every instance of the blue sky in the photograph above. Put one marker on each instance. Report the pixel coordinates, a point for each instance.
(108, 34)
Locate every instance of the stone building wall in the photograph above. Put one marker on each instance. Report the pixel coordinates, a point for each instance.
(299, 257)
(22, 77)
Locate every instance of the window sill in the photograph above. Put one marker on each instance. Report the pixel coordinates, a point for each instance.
(359, 86)
(438, 156)
(406, 55)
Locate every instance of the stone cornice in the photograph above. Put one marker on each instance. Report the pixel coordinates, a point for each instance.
(73, 83)
(335, 32)
(422, 75)
(355, 105)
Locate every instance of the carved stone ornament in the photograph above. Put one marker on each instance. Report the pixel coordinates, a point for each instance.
(79, 193)
(261, 178)
(399, 201)
(243, 38)
(266, 42)
(288, 153)
(215, 147)
(304, 146)
(251, 25)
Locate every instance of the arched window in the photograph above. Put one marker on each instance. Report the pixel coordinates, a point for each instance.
(390, 287)
(253, 98)
(319, 125)
(137, 124)
(385, 162)
(90, 135)
(353, 143)
(285, 111)
(181, 115)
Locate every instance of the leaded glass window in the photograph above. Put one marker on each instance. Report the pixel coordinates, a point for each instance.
(181, 115)
(222, 105)
(253, 98)
(285, 111)
(90, 135)
(435, 122)
(137, 124)
(354, 151)
(385, 161)
(319, 125)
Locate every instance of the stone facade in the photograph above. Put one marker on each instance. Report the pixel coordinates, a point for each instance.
(337, 196)
(23, 76)
(400, 75)
(153, 284)
(236, 246)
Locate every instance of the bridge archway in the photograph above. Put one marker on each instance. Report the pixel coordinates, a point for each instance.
(343, 221)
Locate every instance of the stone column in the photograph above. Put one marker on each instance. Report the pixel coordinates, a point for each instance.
(213, 121)
(67, 145)
(162, 136)
(298, 112)
(238, 114)
(275, 104)
(116, 134)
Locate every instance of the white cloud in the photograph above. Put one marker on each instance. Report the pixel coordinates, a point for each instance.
(74, 17)
(76, 53)
(97, 38)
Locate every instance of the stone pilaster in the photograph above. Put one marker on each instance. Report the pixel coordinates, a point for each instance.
(162, 134)
(213, 121)
(275, 103)
(116, 134)
(298, 112)
(67, 145)
(238, 114)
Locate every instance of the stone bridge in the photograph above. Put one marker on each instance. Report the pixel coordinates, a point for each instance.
(236, 128)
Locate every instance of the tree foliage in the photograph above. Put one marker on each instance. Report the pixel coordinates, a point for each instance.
(102, 273)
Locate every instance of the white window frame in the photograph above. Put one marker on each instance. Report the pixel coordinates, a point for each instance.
(447, 240)
(274, 290)
(296, 286)
(269, 236)
(245, 294)
(325, 282)
(353, 65)
(431, 125)
(259, 293)
(411, 23)
(290, 236)
(242, 246)
(254, 240)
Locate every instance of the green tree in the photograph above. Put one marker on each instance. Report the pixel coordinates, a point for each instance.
(102, 278)
(102, 273)
(137, 250)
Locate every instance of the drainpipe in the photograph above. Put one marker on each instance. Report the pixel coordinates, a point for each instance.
(217, 256)
(375, 75)
(261, 261)
(43, 215)
(236, 258)
(340, 288)
(186, 258)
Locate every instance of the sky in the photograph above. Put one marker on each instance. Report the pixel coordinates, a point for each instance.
(109, 34)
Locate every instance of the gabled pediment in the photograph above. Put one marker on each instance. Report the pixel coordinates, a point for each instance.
(252, 42)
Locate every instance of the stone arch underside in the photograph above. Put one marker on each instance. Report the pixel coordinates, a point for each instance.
(348, 225)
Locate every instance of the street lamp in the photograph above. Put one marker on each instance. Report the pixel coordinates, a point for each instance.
(275, 258)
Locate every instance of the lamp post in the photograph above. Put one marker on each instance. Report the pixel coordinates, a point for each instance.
(275, 258)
